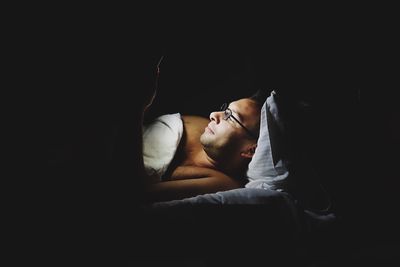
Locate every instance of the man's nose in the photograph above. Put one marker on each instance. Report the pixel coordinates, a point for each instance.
(215, 116)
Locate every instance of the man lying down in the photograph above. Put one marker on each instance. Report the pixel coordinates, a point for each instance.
(225, 179)
(188, 156)
(221, 177)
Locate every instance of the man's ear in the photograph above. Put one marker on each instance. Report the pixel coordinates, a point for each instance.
(249, 151)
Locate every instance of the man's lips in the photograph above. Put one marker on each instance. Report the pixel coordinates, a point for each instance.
(208, 128)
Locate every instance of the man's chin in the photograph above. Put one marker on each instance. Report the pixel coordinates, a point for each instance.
(205, 139)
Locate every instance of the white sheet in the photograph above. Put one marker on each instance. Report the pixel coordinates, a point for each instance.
(160, 141)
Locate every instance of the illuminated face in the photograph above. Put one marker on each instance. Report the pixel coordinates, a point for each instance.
(230, 128)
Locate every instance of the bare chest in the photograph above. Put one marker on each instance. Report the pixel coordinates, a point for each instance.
(190, 151)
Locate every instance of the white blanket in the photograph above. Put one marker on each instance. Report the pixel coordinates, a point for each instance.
(160, 142)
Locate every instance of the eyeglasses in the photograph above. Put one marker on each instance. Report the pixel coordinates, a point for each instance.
(228, 114)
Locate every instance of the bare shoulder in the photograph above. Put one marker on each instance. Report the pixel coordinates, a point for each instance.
(194, 126)
(191, 119)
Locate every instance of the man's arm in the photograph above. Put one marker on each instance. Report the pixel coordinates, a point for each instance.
(191, 181)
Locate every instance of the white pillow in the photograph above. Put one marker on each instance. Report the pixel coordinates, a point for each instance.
(268, 168)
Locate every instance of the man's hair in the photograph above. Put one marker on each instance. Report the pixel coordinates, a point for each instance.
(260, 96)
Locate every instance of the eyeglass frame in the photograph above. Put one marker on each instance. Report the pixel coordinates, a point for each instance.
(228, 111)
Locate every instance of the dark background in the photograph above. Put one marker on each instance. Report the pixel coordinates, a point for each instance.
(344, 120)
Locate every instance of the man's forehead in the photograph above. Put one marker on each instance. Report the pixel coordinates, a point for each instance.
(243, 107)
(243, 104)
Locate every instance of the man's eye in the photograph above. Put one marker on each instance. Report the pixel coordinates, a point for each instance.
(230, 119)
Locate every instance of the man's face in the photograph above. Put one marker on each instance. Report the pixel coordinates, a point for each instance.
(227, 135)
